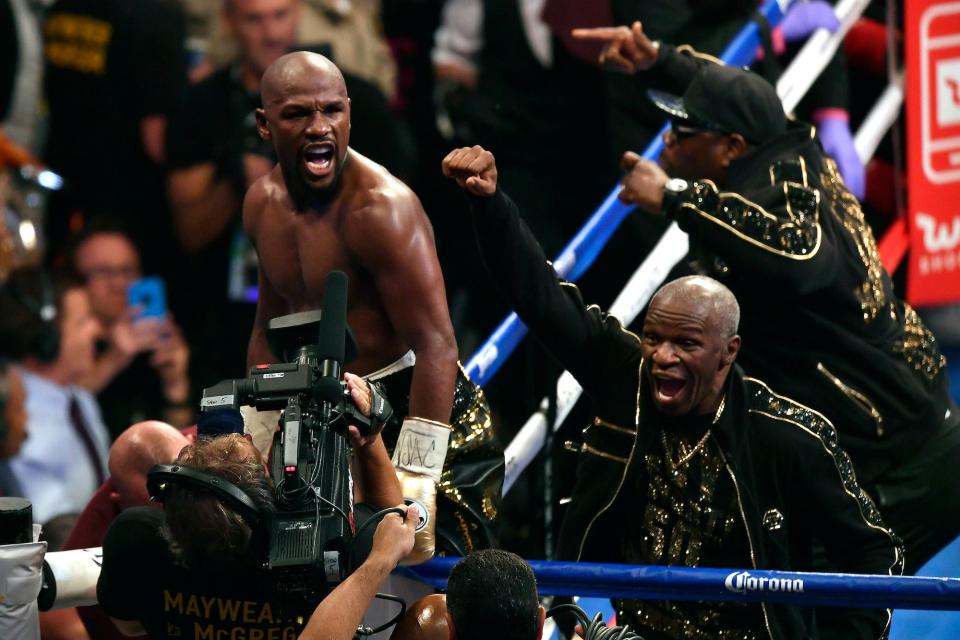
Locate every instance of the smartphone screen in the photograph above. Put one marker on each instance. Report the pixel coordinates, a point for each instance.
(150, 296)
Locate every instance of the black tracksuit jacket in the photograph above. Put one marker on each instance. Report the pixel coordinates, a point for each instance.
(779, 454)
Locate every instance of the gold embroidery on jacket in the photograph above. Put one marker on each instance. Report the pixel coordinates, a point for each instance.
(601, 454)
(681, 518)
(797, 237)
(859, 399)
(918, 346)
(600, 422)
(768, 403)
(690, 51)
(789, 171)
(871, 293)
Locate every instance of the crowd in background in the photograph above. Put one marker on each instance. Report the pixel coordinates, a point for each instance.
(144, 108)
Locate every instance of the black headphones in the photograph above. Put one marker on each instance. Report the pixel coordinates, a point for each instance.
(161, 476)
(46, 346)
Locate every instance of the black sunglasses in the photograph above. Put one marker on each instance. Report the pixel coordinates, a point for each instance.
(681, 130)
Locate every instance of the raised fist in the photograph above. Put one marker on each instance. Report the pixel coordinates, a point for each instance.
(473, 168)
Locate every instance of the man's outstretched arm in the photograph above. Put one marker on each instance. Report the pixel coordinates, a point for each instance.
(630, 51)
(586, 340)
(337, 616)
(774, 233)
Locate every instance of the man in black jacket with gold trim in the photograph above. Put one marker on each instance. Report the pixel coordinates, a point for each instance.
(689, 462)
(769, 215)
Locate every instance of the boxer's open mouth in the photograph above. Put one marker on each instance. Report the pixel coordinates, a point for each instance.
(319, 158)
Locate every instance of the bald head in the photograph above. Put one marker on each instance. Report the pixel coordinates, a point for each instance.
(426, 619)
(289, 73)
(717, 301)
(306, 116)
(137, 449)
(689, 345)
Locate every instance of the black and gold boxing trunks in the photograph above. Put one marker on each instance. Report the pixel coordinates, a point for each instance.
(468, 497)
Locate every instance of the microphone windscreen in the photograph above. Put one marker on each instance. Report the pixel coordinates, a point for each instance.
(219, 422)
(333, 320)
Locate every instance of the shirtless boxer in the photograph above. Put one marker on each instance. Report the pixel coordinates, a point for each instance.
(325, 207)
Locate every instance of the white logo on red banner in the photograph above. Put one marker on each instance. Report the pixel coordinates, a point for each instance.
(948, 92)
(941, 241)
(932, 88)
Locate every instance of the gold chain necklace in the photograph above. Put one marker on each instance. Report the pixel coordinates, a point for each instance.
(686, 455)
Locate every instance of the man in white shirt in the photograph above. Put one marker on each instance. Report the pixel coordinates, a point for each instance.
(48, 329)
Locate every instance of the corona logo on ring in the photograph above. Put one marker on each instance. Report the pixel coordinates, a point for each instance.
(743, 582)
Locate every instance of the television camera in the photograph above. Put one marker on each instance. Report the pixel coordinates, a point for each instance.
(309, 539)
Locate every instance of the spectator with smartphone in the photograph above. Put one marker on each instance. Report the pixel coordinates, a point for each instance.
(141, 369)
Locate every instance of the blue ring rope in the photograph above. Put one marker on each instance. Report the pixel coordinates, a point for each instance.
(637, 582)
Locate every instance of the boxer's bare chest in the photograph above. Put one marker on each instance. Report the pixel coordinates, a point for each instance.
(298, 250)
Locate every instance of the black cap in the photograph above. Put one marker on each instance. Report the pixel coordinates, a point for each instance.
(726, 99)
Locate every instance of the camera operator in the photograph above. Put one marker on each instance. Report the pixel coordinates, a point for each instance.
(193, 570)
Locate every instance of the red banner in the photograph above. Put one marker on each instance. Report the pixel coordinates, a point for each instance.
(933, 150)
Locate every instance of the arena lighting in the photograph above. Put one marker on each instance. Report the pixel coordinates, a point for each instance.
(43, 177)
(28, 235)
(49, 180)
